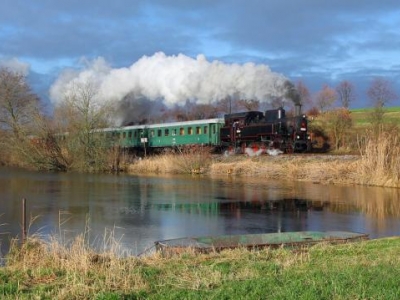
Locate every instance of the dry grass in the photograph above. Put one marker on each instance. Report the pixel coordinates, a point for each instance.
(322, 169)
(380, 160)
(75, 270)
(180, 163)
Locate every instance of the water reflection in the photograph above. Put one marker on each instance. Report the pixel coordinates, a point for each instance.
(143, 209)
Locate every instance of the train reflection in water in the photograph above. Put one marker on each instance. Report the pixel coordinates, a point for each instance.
(216, 208)
(239, 217)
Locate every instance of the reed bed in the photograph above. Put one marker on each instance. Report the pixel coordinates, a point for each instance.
(380, 160)
(177, 163)
(323, 169)
(70, 271)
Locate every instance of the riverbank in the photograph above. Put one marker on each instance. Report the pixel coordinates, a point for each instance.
(325, 169)
(362, 270)
(367, 169)
(377, 163)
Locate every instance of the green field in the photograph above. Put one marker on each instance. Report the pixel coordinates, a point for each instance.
(361, 116)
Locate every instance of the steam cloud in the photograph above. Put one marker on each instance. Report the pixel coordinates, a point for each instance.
(174, 80)
(15, 65)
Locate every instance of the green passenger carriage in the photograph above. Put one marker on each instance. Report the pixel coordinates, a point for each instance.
(199, 132)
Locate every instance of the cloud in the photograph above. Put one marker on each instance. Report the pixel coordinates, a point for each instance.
(174, 80)
(15, 65)
(316, 41)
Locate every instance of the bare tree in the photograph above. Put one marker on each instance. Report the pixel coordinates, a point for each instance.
(338, 124)
(249, 104)
(380, 93)
(27, 138)
(305, 96)
(17, 103)
(203, 111)
(346, 93)
(325, 98)
(227, 105)
(81, 114)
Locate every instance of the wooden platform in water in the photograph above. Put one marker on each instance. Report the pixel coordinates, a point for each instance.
(206, 244)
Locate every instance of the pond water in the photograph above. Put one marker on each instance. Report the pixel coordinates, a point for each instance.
(138, 210)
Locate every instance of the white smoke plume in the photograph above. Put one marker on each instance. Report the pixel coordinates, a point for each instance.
(174, 80)
(15, 65)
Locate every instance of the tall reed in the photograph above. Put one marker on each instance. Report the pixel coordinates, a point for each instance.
(182, 162)
(72, 269)
(380, 159)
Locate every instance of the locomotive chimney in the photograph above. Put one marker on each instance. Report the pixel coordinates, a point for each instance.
(297, 109)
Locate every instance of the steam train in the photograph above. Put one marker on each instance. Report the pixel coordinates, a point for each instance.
(272, 129)
(236, 131)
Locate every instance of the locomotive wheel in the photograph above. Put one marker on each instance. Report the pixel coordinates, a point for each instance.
(289, 149)
(276, 144)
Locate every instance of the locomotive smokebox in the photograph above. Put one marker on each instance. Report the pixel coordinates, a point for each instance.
(297, 109)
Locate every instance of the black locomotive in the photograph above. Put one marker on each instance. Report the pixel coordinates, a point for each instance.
(271, 129)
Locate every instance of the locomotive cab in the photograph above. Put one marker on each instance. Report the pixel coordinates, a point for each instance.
(244, 118)
(274, 115)
(234, 130)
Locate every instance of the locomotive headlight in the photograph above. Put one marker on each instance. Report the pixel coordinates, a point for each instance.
(238, 131)
(297, 137)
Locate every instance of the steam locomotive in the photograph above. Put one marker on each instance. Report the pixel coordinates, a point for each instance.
(272, 129)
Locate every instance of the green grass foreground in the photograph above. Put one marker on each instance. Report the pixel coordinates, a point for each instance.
(363, 270)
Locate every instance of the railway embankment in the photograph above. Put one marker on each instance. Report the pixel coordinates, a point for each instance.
(365, 169)
(315, 168)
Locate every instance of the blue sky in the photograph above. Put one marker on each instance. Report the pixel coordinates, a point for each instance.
(317, 42)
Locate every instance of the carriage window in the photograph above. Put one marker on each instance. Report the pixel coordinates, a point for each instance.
(124, 134)
(130, 134)
(181, 131)
(173, 131)
(135, 133)
(166, 132)
(205, 129)
(190, 130)
(198, 130)
(152, 133)
(159, 132)
(213, 129)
